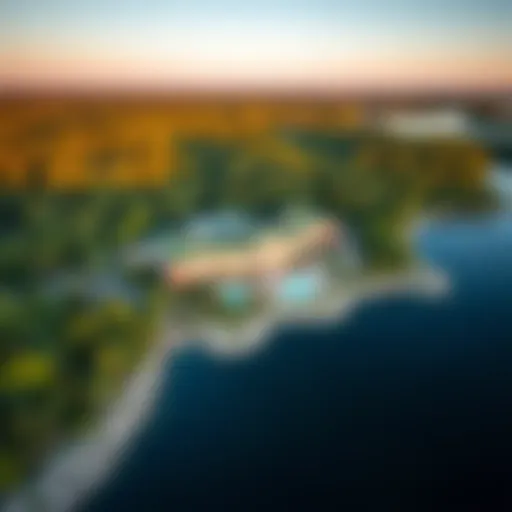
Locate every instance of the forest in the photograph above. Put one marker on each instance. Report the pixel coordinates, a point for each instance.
(64, 356)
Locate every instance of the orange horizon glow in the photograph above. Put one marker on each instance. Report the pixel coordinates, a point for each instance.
(67, 72)
(326, 48)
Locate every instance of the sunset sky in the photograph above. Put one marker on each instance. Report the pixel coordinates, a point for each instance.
(324, 45)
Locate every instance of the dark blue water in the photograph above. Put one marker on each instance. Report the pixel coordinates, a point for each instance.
(407, 405)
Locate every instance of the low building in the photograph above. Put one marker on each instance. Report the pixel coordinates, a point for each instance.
(271, 254)
(431, 123)
(273, 265)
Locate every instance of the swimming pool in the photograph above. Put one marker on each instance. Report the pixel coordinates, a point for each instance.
(301, 286)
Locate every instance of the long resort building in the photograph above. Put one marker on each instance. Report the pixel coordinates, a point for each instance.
(274, 264)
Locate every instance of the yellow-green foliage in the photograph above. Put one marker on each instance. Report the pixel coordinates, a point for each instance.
(27, 371)
(10, 470)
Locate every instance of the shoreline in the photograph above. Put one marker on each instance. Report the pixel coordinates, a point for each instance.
(220, 341)
(79, 467)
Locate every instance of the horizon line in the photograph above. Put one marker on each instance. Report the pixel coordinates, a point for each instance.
(99, 92)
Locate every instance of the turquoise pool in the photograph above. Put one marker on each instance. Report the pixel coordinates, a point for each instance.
(300, 287)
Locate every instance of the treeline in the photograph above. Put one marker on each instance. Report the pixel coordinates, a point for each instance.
(61, 361)
(65, 351)
(377, 185)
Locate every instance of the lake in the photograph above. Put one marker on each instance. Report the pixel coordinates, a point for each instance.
(405, 405)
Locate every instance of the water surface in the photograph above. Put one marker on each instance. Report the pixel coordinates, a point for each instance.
(404, 406)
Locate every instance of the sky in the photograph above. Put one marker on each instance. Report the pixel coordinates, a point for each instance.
(324, 45)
